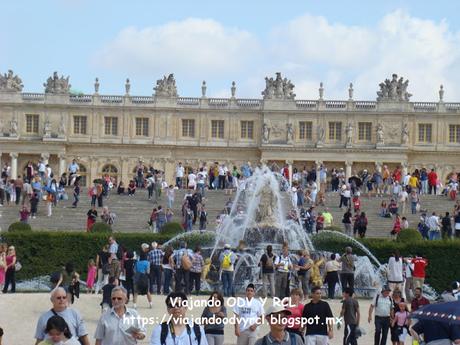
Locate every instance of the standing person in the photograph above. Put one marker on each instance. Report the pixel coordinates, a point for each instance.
(296, 308)
(92, 271)
(213, 317)
(109, 331)
(304, 269)
(34, 200)
(347, 273)
(361, 224)
(432, 179)
(203, 214)
(418, 274)
(201, 181)
(179, 329)
(321, 330)
(18, 186)
(396, 299)
(73, 170)
(268, 273)
(155, 257)
(128, 271)
(457, 224)
(10, 270)
(141, 279)
(346, 220)
(72, 317)
(76, 193)
(183, 264)
(91, 218)
(227, 261)
(283, 265)
(446, 226)
(434, 226)
(195, 271)
(332, 269)
(414, 201)
(179, 175)
(115, 256)
(170, 195)
(395, 271)
(408, 269)
(248, 312)
(58, 332)
(401, 323)
(102, 263)
(168, 267)
(418, 301)
(279, 333)
(3, 251)
(351, 316)
(382, 303)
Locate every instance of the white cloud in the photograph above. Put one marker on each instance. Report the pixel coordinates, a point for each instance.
(308, 49)
(193, 47)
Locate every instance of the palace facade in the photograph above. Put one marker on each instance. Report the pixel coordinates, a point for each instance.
(110, 134)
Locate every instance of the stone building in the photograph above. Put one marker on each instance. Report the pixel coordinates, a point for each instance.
(110, 134)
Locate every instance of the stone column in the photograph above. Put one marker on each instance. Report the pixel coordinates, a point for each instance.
(14, 165)
(318, 180)
(289, 163)
(378, 166)
(348, 165)
(125, 176)
(170, 168)
(62, 164)
(93, 170)
(45, 157)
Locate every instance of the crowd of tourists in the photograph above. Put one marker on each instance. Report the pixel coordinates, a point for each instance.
(122, 276)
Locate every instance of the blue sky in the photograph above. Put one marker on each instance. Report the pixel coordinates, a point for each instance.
(336, 42)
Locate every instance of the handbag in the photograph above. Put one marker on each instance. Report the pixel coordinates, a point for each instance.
(17, 266)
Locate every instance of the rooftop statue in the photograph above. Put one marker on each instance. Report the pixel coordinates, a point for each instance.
(10, 82)
(166, 87)
(394, 90)
(278, 88)
(57, 85)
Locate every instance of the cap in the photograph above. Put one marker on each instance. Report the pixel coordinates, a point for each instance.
(274, 309)
(385, 288)
(227, 246)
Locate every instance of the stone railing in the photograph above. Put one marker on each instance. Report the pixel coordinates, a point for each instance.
(188, 101)
(142, 100)
(81, 98)
(30, 96)
(112, 99)
(335, 104)
(425, 106)
(365, 105)
(306, 104)
(218, 102)
(249, 103)
(452, 106)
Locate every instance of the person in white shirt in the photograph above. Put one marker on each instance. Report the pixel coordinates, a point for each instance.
(192, 180)
(434, 226)
(395, 271)
(248, 312)
(178, 329)
(201, 181)
(179, 175)
(283, 265)
(403, 196)
(382, 303)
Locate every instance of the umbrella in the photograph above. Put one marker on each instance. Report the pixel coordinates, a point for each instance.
(443, 312)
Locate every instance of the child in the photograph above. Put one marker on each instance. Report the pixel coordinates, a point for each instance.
(34, 205)
(24, 214)
(92, 269)
(401, 321)
(356, 203)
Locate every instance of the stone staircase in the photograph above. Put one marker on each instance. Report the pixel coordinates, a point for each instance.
(133, 212)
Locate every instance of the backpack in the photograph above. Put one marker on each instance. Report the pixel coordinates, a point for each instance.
(186, 263)
(292, 338)
(227, 261)
(196, 331)
(269, 262)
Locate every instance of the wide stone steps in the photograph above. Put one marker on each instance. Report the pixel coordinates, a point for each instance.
(133, 212)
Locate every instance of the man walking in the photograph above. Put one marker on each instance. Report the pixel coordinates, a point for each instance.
(382, 303)
(155, 257)
(351, 316)
(321, 330)
(183, 263)
(347, 274)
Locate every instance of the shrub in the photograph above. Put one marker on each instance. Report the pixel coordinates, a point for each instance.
(101, 227)
(172, 228)
(19, 226)
(408, 235)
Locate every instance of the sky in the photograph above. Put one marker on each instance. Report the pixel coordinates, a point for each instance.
(334, 42)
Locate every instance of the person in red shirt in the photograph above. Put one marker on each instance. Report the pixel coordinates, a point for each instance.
(397, 175)
(396, 227)
(432, 178)
(418, 301)
(286, 172)
(420, 264)
(356, 203)
(296, 309)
